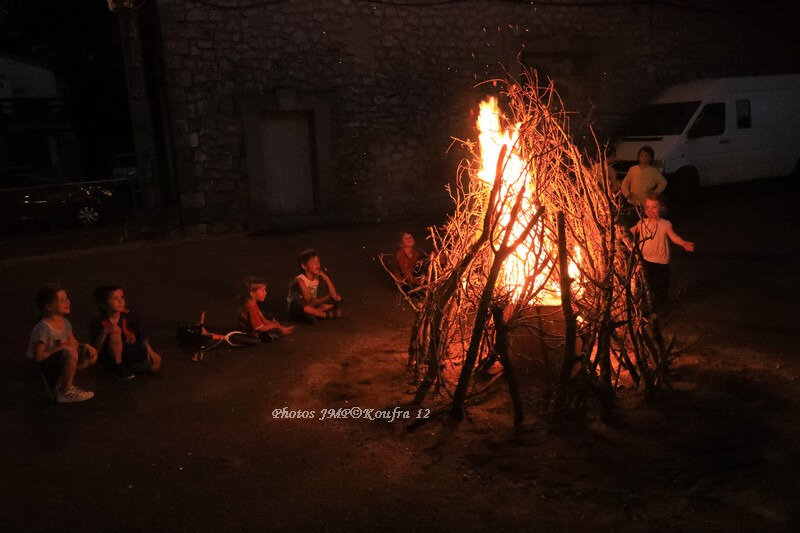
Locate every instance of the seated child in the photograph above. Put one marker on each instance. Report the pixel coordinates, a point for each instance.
(653, 232)
(305, 305)
(54, 348)
(118, 336)
(251, 319)
(407, 264)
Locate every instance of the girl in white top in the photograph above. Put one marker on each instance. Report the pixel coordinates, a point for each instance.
(53, 347)
(654, 232)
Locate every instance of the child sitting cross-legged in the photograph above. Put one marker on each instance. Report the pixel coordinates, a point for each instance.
(58, 355)
(251, 319)
(119, 337)
(305, 303)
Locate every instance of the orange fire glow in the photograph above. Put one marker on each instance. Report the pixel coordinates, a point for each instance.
(540, 246)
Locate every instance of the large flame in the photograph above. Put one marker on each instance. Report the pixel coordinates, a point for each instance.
(539, 248)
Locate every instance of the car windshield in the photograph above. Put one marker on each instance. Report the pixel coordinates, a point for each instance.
(661, 119)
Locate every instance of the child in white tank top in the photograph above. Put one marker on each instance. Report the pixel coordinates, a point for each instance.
(305, 304)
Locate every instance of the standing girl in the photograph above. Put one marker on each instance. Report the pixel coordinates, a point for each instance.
(653, 233)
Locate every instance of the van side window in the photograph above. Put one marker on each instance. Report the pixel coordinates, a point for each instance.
(710, 121)
(742, 114)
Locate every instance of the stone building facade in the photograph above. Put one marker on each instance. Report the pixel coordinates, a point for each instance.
(300, 111)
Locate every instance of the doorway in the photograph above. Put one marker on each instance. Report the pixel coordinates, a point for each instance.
(285, 182)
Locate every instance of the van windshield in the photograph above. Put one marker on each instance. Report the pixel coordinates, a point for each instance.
(661, 119)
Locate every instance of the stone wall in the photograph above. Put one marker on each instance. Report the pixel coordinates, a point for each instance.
(401, 81)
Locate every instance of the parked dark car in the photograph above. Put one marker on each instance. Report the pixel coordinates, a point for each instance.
(31, 200)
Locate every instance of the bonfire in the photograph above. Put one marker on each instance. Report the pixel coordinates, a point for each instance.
(535, 225)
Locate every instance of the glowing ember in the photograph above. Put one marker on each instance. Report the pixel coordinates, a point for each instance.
(517, 174)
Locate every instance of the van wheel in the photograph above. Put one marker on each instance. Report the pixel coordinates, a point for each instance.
(683, 185)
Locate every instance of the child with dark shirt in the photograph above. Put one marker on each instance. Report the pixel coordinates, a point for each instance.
(58, 355)
(251, 319)
(119, 337)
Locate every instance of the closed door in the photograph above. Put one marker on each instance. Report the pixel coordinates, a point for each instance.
(285, 183)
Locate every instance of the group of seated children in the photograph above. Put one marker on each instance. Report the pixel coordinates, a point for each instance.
(116, 336)
(118, 341)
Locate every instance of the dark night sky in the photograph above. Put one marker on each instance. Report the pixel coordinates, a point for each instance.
(80, 42)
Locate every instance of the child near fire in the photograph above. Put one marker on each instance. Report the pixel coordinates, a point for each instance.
(407, 264)
(119, 337)
(251, 319)
(653, 232)
(305, 304)
(58, 355)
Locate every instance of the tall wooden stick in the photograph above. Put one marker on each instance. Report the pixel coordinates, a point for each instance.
(501, 349)
(570, 327)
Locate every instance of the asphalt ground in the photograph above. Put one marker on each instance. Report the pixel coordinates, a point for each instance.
(198, 447)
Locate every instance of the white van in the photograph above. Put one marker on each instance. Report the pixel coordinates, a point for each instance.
(715, 131)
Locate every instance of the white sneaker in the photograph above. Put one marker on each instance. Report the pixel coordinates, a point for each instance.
(73, 395)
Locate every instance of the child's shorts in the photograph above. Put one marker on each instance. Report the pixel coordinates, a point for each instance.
(296, 311)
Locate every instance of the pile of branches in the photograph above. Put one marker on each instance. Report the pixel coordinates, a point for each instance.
(550, 214)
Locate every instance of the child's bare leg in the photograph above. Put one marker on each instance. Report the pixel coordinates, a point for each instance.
(333, 311)
(318, 312)
(115, 347)
(87, 356)
(69, 364)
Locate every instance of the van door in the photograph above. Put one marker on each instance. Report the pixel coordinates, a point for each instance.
(752, 154)
(708, 144)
